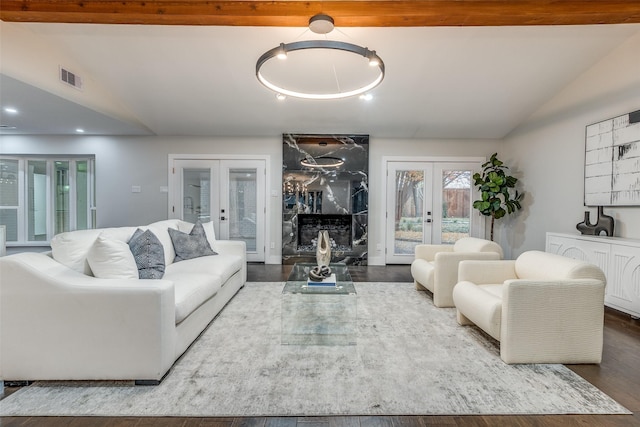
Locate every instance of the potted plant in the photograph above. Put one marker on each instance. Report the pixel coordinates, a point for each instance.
(496, 189)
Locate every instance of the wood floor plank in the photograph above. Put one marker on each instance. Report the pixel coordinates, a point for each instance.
(281, 422)
(249, 422)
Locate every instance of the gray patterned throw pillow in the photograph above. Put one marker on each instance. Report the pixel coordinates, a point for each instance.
(192, 245)
(148, 253)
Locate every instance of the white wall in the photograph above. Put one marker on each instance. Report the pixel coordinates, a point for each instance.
(547, 152)
(32, 59)
(143, 161)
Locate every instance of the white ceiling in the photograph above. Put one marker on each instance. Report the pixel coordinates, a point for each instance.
(441, 82)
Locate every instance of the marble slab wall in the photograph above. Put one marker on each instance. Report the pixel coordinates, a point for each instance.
(325, 178)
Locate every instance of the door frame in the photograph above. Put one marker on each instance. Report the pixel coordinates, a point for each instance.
(481, 229)
(267, 171)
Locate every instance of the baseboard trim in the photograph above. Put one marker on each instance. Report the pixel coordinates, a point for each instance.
(14, 383)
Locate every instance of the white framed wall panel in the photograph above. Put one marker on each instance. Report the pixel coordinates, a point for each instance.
(618, 258)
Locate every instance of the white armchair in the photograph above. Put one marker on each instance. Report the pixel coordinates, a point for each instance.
(435, 267)
(542, 307)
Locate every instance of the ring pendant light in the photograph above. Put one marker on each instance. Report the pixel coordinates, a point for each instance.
(285, 48)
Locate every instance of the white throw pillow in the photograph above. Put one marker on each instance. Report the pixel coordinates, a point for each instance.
(70, 249)
(112, 259)
(210, 232)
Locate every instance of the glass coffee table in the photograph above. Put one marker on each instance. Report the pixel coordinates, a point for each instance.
(319, 315)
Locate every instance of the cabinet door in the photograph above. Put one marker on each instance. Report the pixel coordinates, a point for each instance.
(573, 247)
(623, 280)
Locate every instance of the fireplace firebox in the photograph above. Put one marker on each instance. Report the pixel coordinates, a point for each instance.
(338, 226)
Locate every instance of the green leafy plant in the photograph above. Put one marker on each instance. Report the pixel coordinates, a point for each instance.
(496, 188)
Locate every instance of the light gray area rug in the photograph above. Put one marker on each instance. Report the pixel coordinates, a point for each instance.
(411, 358)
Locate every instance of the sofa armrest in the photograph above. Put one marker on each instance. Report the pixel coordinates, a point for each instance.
(233, 247)
(428, 252)
(486, 272)
(446, 273)
(56, 323)
(552, 321)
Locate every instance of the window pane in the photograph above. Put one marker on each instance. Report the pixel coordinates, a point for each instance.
(8, 182)
(9, 217)
(82, 195)
(61, 196)
(197, 194)
(456, 204)
(243, 199)
(37, 200)
(408, 211)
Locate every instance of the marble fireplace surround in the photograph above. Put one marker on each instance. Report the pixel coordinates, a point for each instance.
(320, 197)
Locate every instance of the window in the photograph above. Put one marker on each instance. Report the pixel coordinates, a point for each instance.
(41, 197)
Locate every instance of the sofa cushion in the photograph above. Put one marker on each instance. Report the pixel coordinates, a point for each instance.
(111, 259)
(190, 245)
(221, 265)
(192, 290)
(148, 253)
(71, 248)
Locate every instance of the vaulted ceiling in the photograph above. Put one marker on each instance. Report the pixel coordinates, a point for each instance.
(455, 68)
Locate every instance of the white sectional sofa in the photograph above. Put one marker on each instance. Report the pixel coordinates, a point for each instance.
(58, 321)
(541, 307)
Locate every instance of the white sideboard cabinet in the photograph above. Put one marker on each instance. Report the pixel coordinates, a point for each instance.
(618, 258)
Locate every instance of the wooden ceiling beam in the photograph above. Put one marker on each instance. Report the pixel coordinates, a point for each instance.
(395, 13)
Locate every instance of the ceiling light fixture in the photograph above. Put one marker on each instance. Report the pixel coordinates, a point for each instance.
(320, 24)
(322, 162)
(10, 110)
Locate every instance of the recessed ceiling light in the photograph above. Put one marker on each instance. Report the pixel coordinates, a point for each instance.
(281, 97)
(366, 96)
(10, 110)
(80, 130)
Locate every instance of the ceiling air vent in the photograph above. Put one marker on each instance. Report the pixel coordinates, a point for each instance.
(70, 78)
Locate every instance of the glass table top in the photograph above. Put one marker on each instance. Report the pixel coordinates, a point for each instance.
(297, 281)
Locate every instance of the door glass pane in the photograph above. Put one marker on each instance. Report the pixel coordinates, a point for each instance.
(61, 202)
(408, 211)
(37, 200)
(243, 199)
(9, 197)
(8, 182)
(9, 218)
(82, 195)
(456, 205)
(196, 195)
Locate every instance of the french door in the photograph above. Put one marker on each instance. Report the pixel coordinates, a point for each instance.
(230, 193)
(428, 202)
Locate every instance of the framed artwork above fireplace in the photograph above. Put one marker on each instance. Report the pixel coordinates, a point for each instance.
(325, 186)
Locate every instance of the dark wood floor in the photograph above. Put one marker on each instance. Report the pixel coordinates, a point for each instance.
(618, 375)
